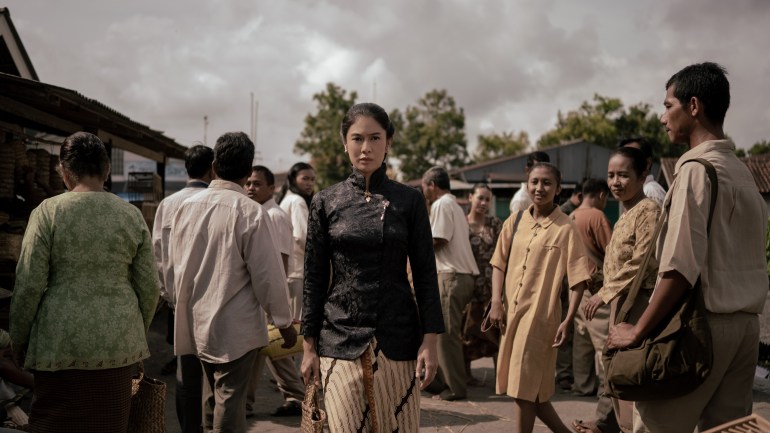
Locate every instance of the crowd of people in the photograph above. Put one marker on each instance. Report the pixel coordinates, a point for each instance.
(395, 290)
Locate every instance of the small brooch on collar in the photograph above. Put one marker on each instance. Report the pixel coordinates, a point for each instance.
(367, 196)
(385, 205)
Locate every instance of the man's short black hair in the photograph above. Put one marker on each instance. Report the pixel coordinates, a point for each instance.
(269, 177)
(594, 187)
(197, 160)
(537, 156)
(233, 156)
(644, 145)
(438, 176)
(706, 81)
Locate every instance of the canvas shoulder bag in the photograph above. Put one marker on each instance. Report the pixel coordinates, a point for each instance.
(677, 356)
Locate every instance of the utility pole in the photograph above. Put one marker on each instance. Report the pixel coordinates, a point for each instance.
(205, 129)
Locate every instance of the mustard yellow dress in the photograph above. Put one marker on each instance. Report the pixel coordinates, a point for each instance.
(543, 253)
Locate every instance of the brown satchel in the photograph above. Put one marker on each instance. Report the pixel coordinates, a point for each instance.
(677, 356)
(148, 404)
(313, 417)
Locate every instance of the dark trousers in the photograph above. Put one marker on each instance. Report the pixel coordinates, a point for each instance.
(189, 386)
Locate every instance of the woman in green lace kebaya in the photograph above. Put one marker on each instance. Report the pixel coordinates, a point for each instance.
(86, 290)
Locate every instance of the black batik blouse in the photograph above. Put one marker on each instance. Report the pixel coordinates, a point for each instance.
(356, 284)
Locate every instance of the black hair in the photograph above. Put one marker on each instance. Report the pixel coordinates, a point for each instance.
(644, 145)
(197, 160)
(578, 188)
(367, 109)
(269, 176)
(594, 187)
(83, 154)
(551, 167)
(233, 156)
(480, 185)
(290, 184)
(438, 176)
(536, 157)
(706, 81)
(638, 160)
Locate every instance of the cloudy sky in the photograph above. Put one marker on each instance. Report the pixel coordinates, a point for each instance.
(510, 64)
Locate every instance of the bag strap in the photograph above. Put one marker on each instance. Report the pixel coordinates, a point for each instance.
(636, 284)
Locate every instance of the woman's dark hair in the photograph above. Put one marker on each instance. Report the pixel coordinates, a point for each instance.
(233, 156)
(83, 154)
(197, 161)
(638, 160)
(706, 81)
(367, 109)
(480, 185)
(291, 182)
(551, 167)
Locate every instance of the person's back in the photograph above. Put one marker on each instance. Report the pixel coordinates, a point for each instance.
(87, 270)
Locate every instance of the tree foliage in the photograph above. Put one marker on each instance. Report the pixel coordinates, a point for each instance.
(320, 137)
(605, 121)
(760, 148)
(432, 133)
(495, 145)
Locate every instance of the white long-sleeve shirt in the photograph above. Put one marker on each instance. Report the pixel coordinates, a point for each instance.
(226, 271)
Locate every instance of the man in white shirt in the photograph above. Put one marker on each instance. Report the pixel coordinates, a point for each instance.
(260, 187)
(226, 272)
(521, 199)
(197, 162)
(456, 267)
(652, 189)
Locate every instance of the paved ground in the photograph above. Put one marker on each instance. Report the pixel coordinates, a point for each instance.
(482, 412)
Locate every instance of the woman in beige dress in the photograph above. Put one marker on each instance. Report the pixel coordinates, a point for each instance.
(546, 247)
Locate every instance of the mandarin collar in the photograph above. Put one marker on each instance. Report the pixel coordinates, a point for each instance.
(707, 146)
(358, 180)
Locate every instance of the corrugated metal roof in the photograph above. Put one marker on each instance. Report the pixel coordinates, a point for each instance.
(64, 109)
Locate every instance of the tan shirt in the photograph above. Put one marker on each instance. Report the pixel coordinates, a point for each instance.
(630, 241)
(226, 270)
(448, 222)
(731, 260)
(595, 231)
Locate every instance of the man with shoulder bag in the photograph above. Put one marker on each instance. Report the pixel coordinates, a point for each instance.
(724, 262)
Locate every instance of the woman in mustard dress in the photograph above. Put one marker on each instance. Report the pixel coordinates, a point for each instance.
(546, 247)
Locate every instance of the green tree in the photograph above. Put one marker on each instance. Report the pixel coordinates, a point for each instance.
(321, 136)
(433, 133)
(760, 148)
(493, 146)
(740, 152)
(605, 121)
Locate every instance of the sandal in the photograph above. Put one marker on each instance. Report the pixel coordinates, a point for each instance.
(581, 426)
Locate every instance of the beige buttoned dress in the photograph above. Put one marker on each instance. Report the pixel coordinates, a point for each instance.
(543, 253)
